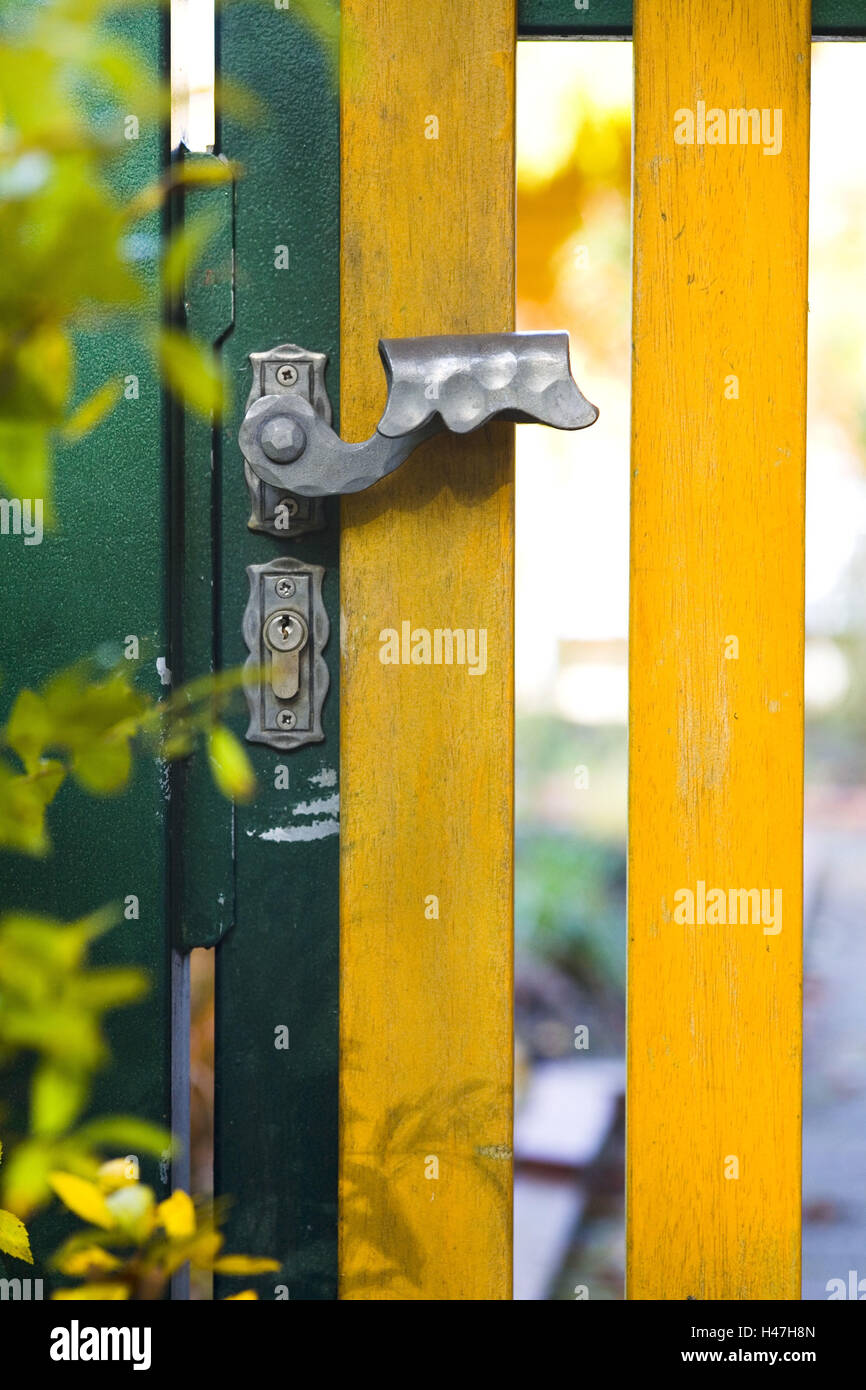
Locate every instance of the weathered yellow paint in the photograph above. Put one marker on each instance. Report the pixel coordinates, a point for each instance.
(720, 242)
(426, 751)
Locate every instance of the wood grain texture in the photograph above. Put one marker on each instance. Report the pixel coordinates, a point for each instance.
(720, 242)
(426, 751)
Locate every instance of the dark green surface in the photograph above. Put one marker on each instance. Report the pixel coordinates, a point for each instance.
(101, 575)
(613, 18)
(202, 842)
(276, 1111)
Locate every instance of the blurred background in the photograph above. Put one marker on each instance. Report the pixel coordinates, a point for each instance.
(574, 132)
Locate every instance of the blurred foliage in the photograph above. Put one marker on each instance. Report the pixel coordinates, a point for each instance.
(573, 181)
(83, 725)
(132, 1244)
(569, 876)
(322, 17)
(570, 904)
(68, 221)
(52, 1007)
(573, 272)
(67, 84)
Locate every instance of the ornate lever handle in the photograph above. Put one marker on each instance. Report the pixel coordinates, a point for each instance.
(454, 382)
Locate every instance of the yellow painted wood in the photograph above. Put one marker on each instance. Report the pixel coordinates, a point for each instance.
(720, 242)
(427, 104)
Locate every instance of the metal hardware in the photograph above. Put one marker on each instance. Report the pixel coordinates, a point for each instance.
(456, 383)
(285, 634)
(285, 676)
(286, 371)
(287, 375)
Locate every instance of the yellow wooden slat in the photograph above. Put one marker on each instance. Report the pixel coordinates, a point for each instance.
(720, 243)
(427, 101)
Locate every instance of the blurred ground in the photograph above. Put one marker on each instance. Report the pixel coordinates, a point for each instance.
(834, 1092)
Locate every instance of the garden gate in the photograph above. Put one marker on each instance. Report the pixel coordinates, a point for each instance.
(380, 936)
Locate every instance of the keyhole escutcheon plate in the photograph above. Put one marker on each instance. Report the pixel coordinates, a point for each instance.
(286, 629)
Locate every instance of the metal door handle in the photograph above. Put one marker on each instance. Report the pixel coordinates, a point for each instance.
(456, 382)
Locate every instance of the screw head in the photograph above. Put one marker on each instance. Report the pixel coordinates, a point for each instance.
(286, 719)
(282, 439)
(287, 374)
(285, 587)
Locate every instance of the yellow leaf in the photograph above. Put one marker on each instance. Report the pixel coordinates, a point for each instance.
(236, 1297)
(100, 1291)
(245, 1264)
(92, 1259)
(91, 411)
(14, 1239)
(205, 1249)
(84, 1198)
(230, 765)
(118, 1172)
(177, 1215)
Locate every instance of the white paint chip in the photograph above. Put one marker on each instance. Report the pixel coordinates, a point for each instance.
(325, 806)
(326, 778)
(319, 830)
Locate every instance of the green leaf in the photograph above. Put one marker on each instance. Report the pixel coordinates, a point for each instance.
(25, 1181)
(323, 18)
(103, 767)
(208, 172)
(84, 710)
(108, 989)
(24, 459)
(192, 372)
(30, 728)
(14, 1239)
(125, 1132)
(61, 944)
(57, 1097)
(185, 250)
(229, 764)
(91, 411)
(23, 799)
(56, 1030)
